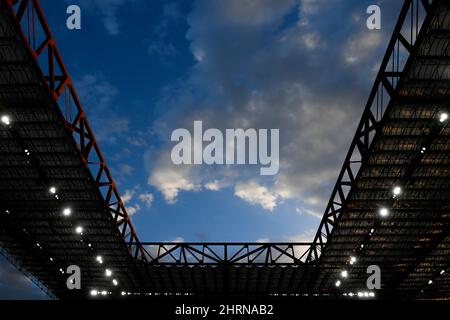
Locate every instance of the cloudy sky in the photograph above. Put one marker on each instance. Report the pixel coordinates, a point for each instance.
(145, 68)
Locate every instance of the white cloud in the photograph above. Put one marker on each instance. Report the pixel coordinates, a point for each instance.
(147, 198)
(238, 82)
(127, 198)
(254, 194)
(361, 47)
(178, 240)
(128, 195)
(171, 180)
(213, 185)
(133, 209)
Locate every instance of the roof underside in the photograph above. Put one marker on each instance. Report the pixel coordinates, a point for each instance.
(34, 214)
(412, 245)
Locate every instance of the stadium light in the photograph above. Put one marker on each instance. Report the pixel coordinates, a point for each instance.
(384, 212)
(6, 120)
(397, 191)
(67, 212)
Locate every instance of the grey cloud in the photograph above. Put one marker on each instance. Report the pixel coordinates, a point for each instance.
(294, 78)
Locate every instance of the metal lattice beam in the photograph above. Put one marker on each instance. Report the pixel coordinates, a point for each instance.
(379, 103)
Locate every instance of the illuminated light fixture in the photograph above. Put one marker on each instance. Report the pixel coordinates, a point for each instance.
(37, 244)
(56, 197)
(89, 245)
(362, 246)
(104, 293)
(94, 292)
(338, 283)
(366, 294)
(423, 150)
(79, 230)
(372, 231)
(442, 272)
(351, 294)
(61, 270)
(430, 282)
(99, 259)
(27, 152)
(123, 293)
(443, 117)
(51, 259)
(344, 274)
(108, 273)
(115, 282)
(352, 260)
(52, 190)
(7, 212)
(360, 294)
(6, 120)
(372, 294)
(384, 212)
(397, 191)
(67, 212)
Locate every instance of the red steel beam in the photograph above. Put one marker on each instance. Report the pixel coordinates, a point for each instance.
(59, 85)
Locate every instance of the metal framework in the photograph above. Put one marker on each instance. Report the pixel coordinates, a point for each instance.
(399, 56)
(31, 26)
(225, 253)
(399, 142)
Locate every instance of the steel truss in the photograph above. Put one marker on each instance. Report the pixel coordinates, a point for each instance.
(32, 27)
(401, 51)
(225, 253)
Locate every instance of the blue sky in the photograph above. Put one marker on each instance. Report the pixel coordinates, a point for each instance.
(145, 68)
